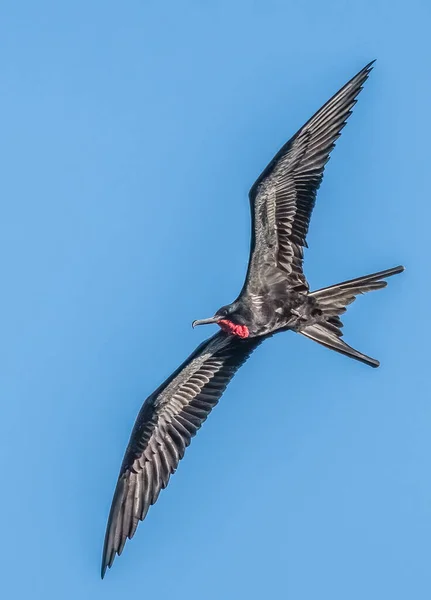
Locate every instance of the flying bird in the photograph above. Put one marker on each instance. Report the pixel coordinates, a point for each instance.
(275, 297)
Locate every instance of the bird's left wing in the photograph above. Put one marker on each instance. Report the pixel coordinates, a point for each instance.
(283, 197)
(168, 420)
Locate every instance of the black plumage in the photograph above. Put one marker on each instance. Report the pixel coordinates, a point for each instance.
(168, 420)
(275, 297)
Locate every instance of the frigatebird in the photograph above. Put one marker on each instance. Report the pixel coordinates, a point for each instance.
(275, 297)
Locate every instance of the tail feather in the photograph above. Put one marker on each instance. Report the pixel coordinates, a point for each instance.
(332, 302)
(319, 332)
(334, 299)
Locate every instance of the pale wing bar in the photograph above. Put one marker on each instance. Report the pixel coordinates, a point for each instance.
(168, 420)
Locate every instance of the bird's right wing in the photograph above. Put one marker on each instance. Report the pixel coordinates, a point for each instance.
(283, 197)
(168, 420)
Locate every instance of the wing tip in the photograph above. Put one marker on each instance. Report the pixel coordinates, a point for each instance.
(105, 565)
(368, 68)
(110, 545)
(363, 74)
(360, 78)
(107, 560)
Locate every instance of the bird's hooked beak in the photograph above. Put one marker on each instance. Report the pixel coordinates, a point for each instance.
(205, 321)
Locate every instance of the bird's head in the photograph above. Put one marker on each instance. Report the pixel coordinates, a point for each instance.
(229, 319)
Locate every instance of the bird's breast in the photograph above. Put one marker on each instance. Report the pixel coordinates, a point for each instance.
(279, 312)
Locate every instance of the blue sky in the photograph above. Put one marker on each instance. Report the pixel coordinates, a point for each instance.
(131, 134)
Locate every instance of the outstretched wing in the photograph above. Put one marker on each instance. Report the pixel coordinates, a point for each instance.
(283, 197)
(167, 421)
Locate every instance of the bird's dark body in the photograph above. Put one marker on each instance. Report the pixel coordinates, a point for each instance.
(275, 298)
(276, 309)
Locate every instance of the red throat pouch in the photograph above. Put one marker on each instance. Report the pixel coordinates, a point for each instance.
(238, 330)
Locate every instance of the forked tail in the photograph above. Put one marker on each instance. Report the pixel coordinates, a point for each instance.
(332, 301)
